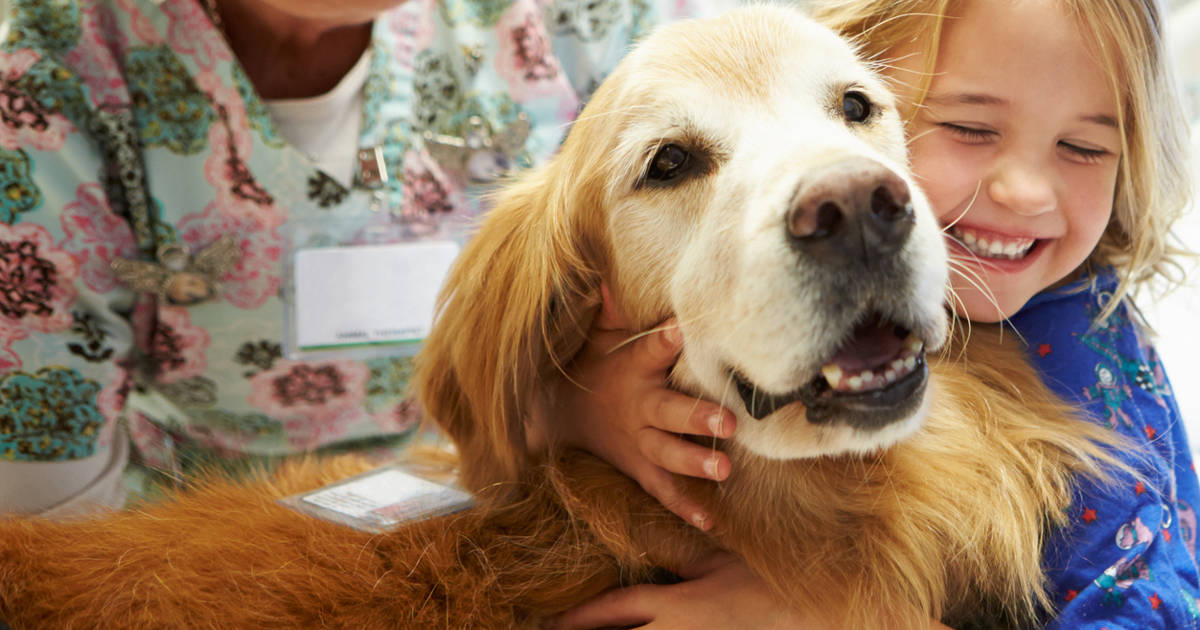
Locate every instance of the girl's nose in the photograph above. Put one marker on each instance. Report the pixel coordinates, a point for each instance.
(1024, 187)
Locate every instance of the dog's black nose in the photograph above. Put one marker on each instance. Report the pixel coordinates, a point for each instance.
(854, 210)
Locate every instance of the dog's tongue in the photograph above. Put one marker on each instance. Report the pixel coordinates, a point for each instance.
(874, 342)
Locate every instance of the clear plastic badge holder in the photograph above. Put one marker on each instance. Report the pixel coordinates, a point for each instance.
(383, 499)
(360, 292)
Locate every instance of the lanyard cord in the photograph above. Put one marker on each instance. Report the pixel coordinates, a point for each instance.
(116, 132)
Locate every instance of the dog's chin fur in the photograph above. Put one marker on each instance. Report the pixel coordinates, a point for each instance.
(941, 513)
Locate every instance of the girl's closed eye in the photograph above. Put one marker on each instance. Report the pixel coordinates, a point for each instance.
(1089, 155)
(974, 135)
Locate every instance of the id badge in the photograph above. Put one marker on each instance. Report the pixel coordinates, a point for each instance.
(383, 499)
(368, 295)
(361, 298)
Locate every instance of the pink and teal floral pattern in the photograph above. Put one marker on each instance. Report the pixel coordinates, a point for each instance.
(48, 415)
(95, 236)
(37, 281)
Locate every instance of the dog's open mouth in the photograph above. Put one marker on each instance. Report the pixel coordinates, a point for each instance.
(871, 380)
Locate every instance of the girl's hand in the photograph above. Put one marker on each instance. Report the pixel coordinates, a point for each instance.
(618, 407)
(721, 592)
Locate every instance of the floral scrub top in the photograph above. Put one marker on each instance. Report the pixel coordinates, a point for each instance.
(129, 131)
(1127, 561)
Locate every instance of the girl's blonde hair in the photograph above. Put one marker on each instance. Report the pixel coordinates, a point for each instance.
(1152, 182)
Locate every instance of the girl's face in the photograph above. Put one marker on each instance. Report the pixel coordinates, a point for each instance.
(1017, 146)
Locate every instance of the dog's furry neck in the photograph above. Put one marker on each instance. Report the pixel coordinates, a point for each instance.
(942, 521)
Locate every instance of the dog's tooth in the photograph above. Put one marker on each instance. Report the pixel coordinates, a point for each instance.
(889, 376)
(914, 343)
(832, 374)
(856, 383)
(867, 376)
(910, 362)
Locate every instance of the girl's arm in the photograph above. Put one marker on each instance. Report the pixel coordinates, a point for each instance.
(720, 592)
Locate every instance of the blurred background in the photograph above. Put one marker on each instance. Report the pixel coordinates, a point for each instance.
(1175, 316)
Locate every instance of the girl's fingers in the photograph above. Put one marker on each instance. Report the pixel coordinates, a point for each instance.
(630, 606)
(674, 412)
(657, 349)
(679, 456)
(610, 317)
(661, 485)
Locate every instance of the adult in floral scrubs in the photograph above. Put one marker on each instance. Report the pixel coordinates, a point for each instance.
(161, 161)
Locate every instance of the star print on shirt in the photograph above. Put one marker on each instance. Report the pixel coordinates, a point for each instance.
(1089, 515)
(1155, 601)
(1043, 350)
(1150, 432)
(1139, 488)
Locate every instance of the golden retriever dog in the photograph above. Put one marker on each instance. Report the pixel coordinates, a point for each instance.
(745, 174)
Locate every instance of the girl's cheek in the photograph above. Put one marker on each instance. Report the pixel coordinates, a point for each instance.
(1090, 193)
(949, 172)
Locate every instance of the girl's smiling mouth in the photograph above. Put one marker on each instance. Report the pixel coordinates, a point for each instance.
(991, 245)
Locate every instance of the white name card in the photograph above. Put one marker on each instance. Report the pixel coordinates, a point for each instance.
(369, 294)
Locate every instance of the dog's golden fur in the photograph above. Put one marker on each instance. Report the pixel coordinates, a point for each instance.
(947, 524)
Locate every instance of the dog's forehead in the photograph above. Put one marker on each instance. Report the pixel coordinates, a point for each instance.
(752, 54)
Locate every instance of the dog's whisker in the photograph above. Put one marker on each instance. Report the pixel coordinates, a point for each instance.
(970, 276)
(970, 204)
(881, 57)
(888, 64)
(604, 114)
(640, 335)
(970, 255)
(959, 323)
(917, 137)
(866, 35)
(966, 262)
(960, 265)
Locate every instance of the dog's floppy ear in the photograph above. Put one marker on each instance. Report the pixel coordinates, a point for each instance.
(516, 307)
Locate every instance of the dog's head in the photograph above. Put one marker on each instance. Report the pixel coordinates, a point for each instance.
(747, 175)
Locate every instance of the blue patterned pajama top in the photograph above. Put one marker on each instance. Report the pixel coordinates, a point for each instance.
(1128, 559)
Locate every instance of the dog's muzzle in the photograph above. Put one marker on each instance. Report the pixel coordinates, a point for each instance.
(876, 377)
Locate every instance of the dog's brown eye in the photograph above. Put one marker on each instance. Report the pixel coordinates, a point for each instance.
(855, 106)
(667, 163)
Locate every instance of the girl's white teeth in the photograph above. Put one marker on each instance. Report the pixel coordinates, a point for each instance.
(901, 366)
(1012, 249)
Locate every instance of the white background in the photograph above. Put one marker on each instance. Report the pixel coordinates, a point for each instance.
(1177, 316)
